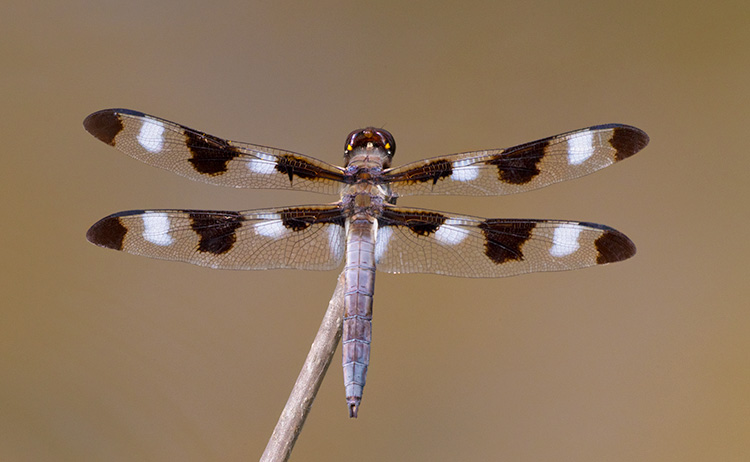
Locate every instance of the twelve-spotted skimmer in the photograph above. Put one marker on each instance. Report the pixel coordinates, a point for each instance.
(364, 228)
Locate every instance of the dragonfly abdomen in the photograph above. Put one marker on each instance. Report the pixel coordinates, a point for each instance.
(360, 286)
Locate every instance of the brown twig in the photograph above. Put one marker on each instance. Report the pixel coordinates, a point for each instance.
(300, 401)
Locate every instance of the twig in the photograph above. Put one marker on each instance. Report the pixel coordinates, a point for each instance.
(300, 401)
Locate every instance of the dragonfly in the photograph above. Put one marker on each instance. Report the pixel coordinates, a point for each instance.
(364, 228)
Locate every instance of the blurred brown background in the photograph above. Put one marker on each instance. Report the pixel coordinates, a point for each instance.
(107, 356)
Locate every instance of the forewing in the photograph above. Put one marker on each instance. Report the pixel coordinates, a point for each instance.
(520, 168)
(203, 157)
(305, 237)
(422, 241)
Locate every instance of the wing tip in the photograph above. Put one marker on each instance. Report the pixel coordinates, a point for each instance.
(109, 232)
(627, 140)
(106, 124)
(612, 246)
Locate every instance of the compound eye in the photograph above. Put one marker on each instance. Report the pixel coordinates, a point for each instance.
(370, 138)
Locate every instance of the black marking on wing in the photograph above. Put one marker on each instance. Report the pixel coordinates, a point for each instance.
(520, 164)
(217, 230)
(293, 165)
(210, 154)
(109, 232)
(104, 125)
(504, 238)
(432, 171)
(418, 222)
(627, 141)
(612, 246)
(300, 218)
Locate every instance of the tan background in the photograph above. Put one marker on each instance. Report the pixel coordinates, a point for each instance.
(106, 356)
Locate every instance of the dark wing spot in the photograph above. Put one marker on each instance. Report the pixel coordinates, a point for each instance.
(216, 230)
(420, 223)
(105, 125)
(424, 227)
(296, 221)
(432, 171)
(210, 153)
(295, 166)
(627, 141)
(503, 239)
(108, 232)
(291, 166)
(613, 246)
(519, 165)
(436, 170)
(299, 219)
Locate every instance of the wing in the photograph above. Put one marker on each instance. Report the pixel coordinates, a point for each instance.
(307, 237)
(422, 241)
(204, 157)
(521, 168)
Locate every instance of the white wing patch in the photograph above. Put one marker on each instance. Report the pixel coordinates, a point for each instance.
(580, 148)
(151, 136)
(565, 241)
(271, 226)
(156, 228)
(381, 245)
(264, 164)
(464, 171)
(449, 232)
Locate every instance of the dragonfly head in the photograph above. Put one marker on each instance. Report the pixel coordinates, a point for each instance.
(372, 139)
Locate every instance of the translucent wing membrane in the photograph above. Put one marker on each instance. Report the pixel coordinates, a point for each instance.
(308, 238)
(203, 157)
(520, 168)
(423, 241)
